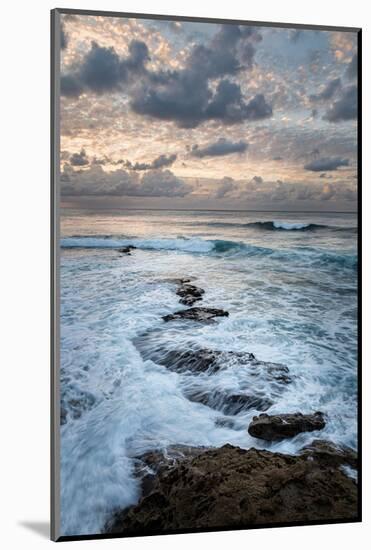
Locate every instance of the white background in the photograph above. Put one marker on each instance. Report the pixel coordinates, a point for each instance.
(24, 302)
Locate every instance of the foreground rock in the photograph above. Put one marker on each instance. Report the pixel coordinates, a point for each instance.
(232, 487)
(202, 314)
(281, 426)
(189, 294)
(151, 464)
(126, 250)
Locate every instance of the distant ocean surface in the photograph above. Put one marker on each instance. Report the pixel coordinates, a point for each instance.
(289, 283)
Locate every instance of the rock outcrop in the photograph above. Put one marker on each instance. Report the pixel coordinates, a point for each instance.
(233, 487)
(201, 314)
(126, 249)
(281, 426)
(189, 294)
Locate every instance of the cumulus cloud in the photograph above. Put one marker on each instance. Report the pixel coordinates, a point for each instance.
(97, 182)
(328, 192)
(219, 148)
(225, 187)
(345, 107)
(102, 70)
(328, 90)
(159, 162)
(326, 164)
(79, 159)
(162, 183)
(200, 91)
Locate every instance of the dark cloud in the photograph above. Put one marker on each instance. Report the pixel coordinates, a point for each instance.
(352, 69)
(345, 107)
(159, 162)
(257, 180)
(277, 158)
(219, 148)
(79, 159)
(295, 34)
(183, 96)
(102, 69)
(71, 86)
(328, 91)
(326, 164)
(64, 38)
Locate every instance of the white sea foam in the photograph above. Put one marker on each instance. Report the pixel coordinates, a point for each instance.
(290, 225)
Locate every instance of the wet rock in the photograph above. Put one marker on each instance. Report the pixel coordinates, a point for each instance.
(281, 426)
(329, 454)
(190, 360)
(179, 280)
(202, 360)
(202, 314)
(233, 487)
(149, 465)
(189, 294)
(223, 422)
(126, 250)
(230, 403)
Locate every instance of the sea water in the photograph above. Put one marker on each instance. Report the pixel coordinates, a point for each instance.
(289, 283)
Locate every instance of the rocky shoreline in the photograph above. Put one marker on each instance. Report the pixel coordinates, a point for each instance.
(197, 488)
(191, 488)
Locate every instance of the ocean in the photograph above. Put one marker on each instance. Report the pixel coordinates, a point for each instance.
(289, 283)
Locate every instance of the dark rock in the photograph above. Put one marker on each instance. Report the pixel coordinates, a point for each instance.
(233, 487)
(330, 454)
(202, 360)
(223, 422)
(193, 360)
(281, 426)
(149, 465)
(179, 280)
(230, 403)
(189, 294)
(127, 250)
(202, 314)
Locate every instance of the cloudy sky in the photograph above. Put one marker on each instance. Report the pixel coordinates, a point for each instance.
(165, 114)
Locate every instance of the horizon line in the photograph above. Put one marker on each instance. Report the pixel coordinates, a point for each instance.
(217, 210)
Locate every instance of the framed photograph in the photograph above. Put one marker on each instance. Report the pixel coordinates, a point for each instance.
(206, 188)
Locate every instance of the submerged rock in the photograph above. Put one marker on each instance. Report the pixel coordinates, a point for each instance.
(281, 426)
(200, 360)
(179, 280)
(229, 403)
(127, 249)
(189, 294)
(204, 359)
(202, 314)
(233, 487)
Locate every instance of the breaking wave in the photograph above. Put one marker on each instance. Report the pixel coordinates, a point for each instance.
(217, 246)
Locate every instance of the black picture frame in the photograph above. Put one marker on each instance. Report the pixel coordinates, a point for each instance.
(54, 262)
